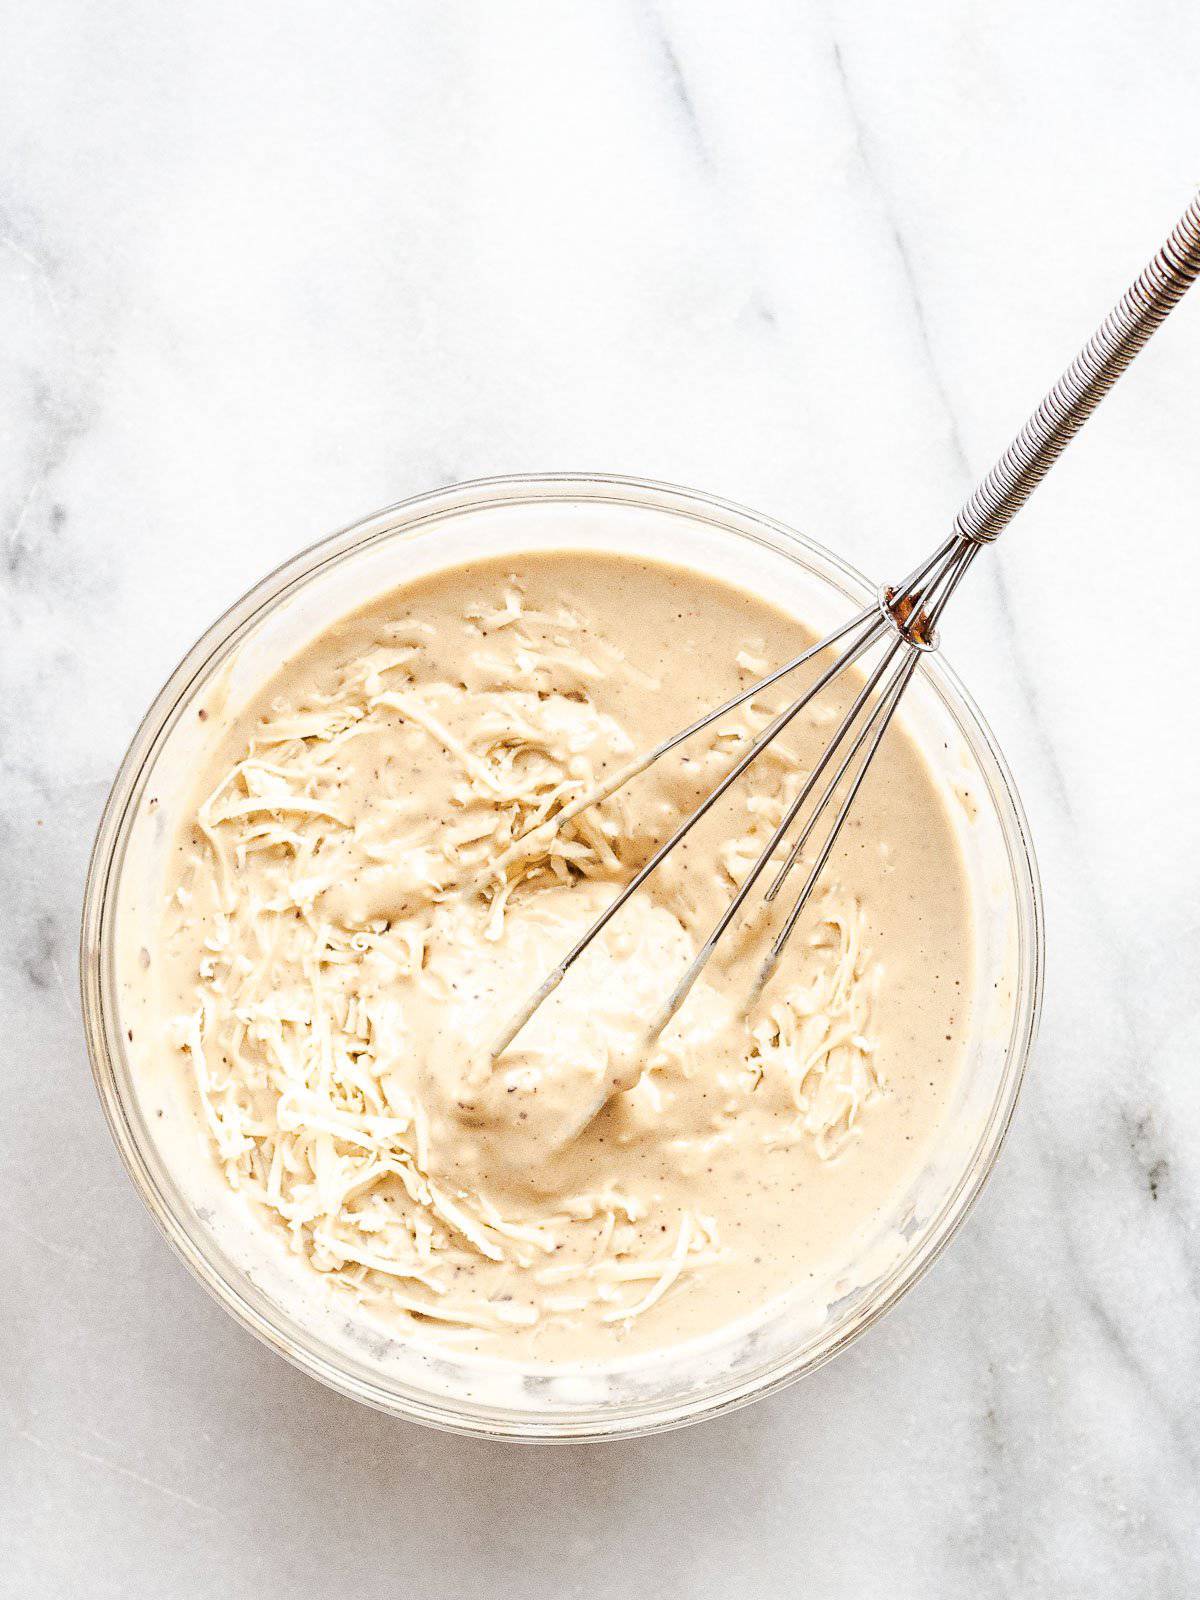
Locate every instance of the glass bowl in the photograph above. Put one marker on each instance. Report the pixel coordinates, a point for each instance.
(164, 1148)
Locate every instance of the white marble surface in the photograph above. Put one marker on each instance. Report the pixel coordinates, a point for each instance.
(265, 267)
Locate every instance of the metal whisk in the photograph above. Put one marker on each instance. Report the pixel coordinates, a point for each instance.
(904, 619)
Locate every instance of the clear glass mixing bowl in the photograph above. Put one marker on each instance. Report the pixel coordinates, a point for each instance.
(165, 1151)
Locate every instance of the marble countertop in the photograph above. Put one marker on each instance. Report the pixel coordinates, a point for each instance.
(266, 267)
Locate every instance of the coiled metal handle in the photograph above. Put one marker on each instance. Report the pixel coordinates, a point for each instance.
(1084, 384)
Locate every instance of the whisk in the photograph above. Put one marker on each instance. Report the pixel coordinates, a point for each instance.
(904, 620)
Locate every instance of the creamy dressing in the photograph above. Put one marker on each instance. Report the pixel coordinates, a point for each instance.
(349, 926)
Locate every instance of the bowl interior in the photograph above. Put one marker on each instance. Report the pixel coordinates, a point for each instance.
(166, 1149)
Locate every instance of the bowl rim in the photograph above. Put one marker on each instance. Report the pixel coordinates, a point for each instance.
(103, 874)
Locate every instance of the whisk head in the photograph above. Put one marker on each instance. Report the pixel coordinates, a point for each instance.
(904, 621)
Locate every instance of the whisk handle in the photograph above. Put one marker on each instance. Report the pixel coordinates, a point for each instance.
(1128, 326)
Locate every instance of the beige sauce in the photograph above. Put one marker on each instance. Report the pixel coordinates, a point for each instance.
(344, 948)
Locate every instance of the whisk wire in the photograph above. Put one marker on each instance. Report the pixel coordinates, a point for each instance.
(879, 724)
(826, 795)
(871, 625)
(925, 593)
(932, 607)
(548, 827)
(682, 989)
